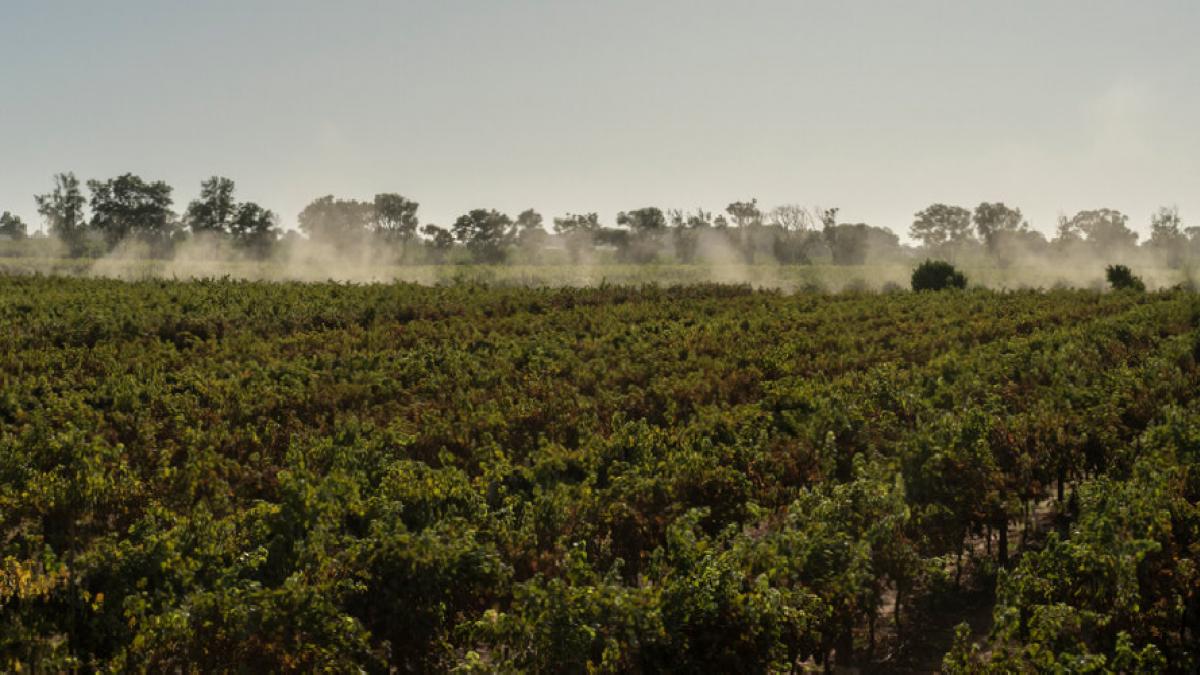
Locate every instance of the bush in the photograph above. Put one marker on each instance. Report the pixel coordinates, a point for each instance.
(1121, 278)
(937, 275)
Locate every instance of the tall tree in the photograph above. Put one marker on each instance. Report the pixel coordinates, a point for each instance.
(641, 244)
(395, 216)
(576, 222)
(1167, 236)
(747, 219)
(691, 220)
(215, 209)
(341, 222)
(791, 218)
(12, 227)
(853, 244)
(439, 240)
(688, 230)
(62, 208)
(529, 222)
(993, 220)
(577, 232)
(1166, 227)
(941, 225)
(828, 217)
(486, 233)
(745, 214)
(1105, 229)
(254, 228)
(530, 233)
(127, 206)
(1066, 233)
(645, 220)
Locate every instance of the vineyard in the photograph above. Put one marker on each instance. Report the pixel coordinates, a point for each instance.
(311, 476)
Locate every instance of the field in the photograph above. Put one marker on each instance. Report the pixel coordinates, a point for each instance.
(305, 476)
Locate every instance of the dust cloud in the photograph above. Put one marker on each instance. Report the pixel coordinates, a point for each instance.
(712, 258)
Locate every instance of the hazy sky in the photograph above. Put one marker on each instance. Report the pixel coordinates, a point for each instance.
(879, 108)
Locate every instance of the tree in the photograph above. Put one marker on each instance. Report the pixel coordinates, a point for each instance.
(790, 218)
(529, 221)
(439, 240)
(687, 231)
(852, 244)
(127, 206)
(62, 209)
(745, 214)
(12, 227)
(994, 220)
(799, 247)
(828, 217)
(642, 243)
(1066, 233)
(941, 225)
(1104, 229)
(486, 233)
(648, 220)
(336, 221)
(1167, 235)
(1166, 227)
(254, 228)
(1008, 245)
(215, 209)
(576, 222)
(217, 212)
(395, 216)
(529, 231)
(748, 219)
(694, 220)
(576, 232)
(937, 275)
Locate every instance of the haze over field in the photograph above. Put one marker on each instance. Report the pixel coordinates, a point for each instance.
(880, 108)
(554, 336)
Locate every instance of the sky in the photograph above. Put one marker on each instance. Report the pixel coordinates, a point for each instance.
(878, 108)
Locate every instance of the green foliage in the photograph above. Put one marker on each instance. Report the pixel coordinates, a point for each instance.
(485, 233)
(129, 207)
(395, 216)
(12, 227)
(214, 210)
(216, 213)
(854, 244)
(941, 225)
(298, 477)
(1104, 229)
(937, 275)
(1121, 278)
(63, 210)
(992, 221)
(339, 222)
(642, 240)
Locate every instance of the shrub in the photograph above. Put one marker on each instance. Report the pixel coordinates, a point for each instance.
(1121, 278)
(937, 275)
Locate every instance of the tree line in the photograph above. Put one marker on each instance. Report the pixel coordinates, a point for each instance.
(129, 208)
